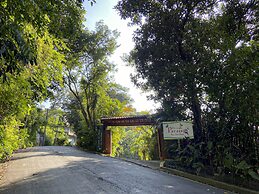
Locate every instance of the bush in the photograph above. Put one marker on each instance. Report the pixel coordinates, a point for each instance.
(12, 137)
(213, 159)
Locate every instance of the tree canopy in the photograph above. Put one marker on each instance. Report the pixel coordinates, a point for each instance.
(24, 23)
(34, 45)
(201, 60)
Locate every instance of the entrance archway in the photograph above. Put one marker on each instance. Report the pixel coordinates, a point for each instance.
(129, 121)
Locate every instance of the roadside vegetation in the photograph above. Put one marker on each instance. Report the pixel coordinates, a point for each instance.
(135, 142)
(34, 44)
(201, 59)
(55, 76)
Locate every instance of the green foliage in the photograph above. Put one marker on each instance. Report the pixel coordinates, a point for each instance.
(18, 45)
(201, 59)
(12, 137)
(34, 42)
(210, 159)
(85, 118)
(54, 128)
(91, 92)
(118, 135)
(34, 122)
(134, 142)
(253, 174)
(245, 170)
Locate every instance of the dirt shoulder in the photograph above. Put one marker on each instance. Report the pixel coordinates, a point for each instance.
(3, 167)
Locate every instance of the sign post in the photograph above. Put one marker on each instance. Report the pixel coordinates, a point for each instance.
(177, 130)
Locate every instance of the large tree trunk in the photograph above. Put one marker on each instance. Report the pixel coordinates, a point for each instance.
(196, 109)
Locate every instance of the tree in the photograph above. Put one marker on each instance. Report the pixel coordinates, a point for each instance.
(18, 44)
(134, 142)
(202, 56)
(93, 94)
(137, 142)
(176, 41)
(34, 42)
(165, 53)
(89, 77)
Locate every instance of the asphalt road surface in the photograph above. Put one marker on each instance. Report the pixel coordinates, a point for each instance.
(51, 170)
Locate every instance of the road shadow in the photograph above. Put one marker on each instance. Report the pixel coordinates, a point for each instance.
(70, 179)
(42, 151)
(87, 175)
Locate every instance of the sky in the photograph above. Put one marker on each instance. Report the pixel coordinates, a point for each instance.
(104, 10)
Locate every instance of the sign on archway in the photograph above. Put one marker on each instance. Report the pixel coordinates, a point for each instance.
(177, 130)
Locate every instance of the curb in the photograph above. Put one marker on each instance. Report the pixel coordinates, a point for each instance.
(138, 163)
(218, 184)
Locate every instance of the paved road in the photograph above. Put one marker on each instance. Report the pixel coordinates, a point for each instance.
(51, 170)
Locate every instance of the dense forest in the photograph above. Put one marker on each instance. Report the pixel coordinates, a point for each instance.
(200, 58)
(56, 77)
(48, 54)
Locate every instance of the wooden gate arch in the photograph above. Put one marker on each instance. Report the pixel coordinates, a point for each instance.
(129, 121)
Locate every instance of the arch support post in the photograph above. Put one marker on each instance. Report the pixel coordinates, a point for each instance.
(161, 145)
(107, 141)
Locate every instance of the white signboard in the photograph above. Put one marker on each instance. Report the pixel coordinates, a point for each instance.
(177, 130)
